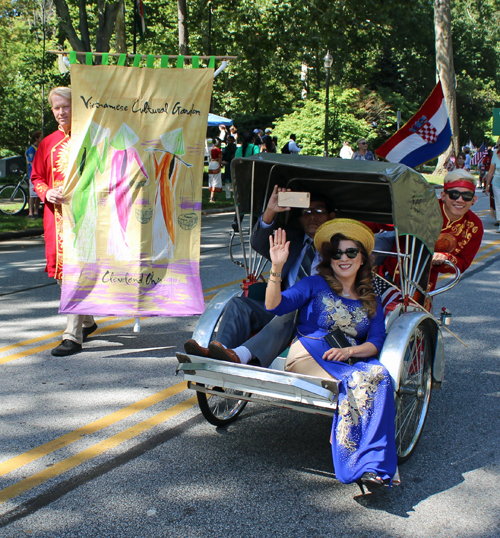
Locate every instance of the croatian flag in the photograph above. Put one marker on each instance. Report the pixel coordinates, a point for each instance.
(424, 137)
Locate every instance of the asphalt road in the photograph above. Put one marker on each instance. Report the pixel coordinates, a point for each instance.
(109, 443)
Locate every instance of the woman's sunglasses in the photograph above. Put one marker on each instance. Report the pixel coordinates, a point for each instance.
(455, 195)
(351, 253)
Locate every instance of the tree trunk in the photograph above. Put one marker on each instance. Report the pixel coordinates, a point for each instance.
(107, 18)
(63, 13)
(120, 31)
(183, 28)
(83, 24)
(446, 71)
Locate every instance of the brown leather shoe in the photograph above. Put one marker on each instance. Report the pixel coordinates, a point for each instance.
(191, 347)
(218, 351)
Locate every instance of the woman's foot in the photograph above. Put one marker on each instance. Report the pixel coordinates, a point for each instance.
(372, 482)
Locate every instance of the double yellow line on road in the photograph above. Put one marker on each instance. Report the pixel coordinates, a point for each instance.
(95, 450)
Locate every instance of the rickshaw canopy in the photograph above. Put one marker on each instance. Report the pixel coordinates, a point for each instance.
(364, 190)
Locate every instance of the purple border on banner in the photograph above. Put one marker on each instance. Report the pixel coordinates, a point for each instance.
(142, 290)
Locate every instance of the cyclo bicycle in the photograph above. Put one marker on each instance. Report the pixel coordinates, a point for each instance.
(13, 198)
(413, 351)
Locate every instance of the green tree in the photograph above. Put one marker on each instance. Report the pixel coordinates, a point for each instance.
(346, 122)
(21, 47)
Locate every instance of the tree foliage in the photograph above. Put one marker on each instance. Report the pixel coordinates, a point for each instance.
(384, 60)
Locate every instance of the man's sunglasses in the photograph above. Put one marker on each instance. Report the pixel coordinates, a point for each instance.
(318, 211)
(455, 195)
(351, 253)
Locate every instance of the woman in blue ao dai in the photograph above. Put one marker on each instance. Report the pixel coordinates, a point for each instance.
(341, 297)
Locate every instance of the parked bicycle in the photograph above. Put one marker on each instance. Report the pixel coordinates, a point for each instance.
(13, 198)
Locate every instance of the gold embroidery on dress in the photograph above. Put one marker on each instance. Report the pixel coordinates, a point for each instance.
(359, 399)
(341, 317)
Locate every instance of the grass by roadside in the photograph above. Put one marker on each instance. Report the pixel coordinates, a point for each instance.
(13, 223)
(434, 179)
(220, 200)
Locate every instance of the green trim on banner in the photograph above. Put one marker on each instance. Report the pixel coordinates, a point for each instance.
(150, 62)
(196, 62)
(211, 63)
(105, 59)
(88, 58)
(137, 60)
(164, 61)
(121, 59)
(180, 61)
(72, 57)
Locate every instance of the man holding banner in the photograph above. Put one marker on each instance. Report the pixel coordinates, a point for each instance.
(49, 169)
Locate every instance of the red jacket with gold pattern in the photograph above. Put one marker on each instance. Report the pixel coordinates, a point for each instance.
(459, 240)
(48, 172)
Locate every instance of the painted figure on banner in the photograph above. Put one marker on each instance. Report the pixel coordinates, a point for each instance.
(120, 182)
(167, 169)
(90, 160)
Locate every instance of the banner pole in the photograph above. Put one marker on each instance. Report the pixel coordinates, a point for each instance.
(135, 27)
(145, 56)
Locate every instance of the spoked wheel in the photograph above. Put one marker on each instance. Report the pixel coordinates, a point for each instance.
(12, 199)
(218, 410)
(413, 396)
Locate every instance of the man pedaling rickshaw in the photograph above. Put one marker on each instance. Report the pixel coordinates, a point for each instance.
(460, 236)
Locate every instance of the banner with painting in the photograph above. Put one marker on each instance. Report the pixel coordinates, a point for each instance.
(133, 191)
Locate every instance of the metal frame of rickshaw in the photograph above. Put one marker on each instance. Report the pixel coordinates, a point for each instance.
(414, 341)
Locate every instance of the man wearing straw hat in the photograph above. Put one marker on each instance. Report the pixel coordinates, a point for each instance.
(48, 174)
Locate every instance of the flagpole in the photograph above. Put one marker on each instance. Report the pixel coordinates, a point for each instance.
(135, 26)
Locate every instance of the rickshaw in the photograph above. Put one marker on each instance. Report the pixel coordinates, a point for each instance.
(413, 351)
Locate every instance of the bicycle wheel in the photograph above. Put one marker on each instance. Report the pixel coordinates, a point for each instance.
(12, 199)
(413, 396)
(218, 410)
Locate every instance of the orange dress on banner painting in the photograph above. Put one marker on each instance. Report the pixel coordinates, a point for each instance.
(166, 172)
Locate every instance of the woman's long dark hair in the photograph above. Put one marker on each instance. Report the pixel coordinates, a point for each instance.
(269, 144)
(364, 286)
(248, 137)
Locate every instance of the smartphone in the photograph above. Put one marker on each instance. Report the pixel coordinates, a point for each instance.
(294, 199)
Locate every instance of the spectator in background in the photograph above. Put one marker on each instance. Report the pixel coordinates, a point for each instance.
(291, 146)
(214, 170)
(258, 137)
(249, 147)
(468, 160)
(34, 200)
(456, 164)
(228, 154)
(223, 133)
(346, 151)
(484, 166)
(234, 133)
(449, 165)
(493, 183)
(363, 154)
(267, 134)
(268, 145)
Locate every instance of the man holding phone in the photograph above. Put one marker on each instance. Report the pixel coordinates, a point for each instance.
(244, 316)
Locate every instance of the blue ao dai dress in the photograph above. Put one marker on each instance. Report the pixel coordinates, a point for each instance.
(363, 433)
